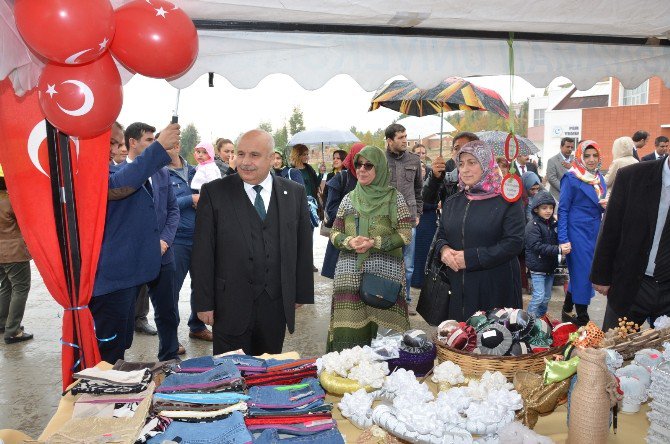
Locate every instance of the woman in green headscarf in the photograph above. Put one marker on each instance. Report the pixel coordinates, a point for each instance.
(373, 223)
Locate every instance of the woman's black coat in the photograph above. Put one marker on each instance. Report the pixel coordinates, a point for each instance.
(490, 232)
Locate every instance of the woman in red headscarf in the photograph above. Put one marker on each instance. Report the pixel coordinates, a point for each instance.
(338, 187)
(580, 208)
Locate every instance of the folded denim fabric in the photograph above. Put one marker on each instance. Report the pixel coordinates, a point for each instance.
(297, 419)
(172, 405)
(230, 430)
(98, 387)
(202, 398)
(270, 436)
(297, 429)
(286, 396)
(245, 363)
(111, 376)
(317, 406)
(220, 378)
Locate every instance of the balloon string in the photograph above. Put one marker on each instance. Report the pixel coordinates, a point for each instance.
(510, 44)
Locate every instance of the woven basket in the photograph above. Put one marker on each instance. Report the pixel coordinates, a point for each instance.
(634, 342)
(475, 365)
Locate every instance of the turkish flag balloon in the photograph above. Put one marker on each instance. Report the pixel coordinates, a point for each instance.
(154, 38)
(71, 32)
(84, 100)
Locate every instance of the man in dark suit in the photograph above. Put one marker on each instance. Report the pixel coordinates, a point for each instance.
(251, 265)
(640, 140)
(660, 149)
(131, 223)
(631, 265)
(160, 290)
(522, 165)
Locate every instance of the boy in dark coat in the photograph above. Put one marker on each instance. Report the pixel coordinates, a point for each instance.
(541, 251)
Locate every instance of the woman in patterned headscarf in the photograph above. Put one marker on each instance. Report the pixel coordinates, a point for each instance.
(480, 237)
(373, 223)
(580, 208)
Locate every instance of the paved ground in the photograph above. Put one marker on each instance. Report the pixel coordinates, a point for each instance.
(31, 380)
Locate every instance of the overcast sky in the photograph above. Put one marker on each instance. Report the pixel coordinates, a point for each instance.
(226, 111)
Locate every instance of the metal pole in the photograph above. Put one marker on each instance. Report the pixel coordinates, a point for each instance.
(441, 128)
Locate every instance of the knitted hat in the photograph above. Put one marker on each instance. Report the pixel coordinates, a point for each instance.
(494, 339)
(498, 314)
(540, 334)
(416, 353)
(463, 338)
(562, 332)
(478, 321)
(415, 341)
(520, 323)
(519, 348)
(445, 328)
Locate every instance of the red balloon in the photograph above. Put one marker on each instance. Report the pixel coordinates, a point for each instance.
(71, 32)
(155, 38)
(84, 100)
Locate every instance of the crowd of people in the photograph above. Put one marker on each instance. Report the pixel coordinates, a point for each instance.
(241, 222)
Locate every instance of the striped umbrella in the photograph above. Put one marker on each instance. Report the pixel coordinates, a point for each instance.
(452, 94)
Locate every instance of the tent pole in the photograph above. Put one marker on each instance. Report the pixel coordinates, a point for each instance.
(441, 129)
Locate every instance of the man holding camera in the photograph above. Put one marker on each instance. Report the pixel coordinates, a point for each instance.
(442, 180)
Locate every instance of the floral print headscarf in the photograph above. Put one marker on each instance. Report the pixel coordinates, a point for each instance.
(490, 182)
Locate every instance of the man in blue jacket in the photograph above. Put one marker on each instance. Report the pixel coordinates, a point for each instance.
(161, 289)
(130, 254)
(181, 175)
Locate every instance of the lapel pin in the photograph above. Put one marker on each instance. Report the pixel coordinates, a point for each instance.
(285, 192)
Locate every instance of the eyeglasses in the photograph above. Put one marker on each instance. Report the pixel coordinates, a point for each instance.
(367, 165)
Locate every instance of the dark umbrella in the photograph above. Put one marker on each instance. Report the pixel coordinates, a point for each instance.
(497, 141)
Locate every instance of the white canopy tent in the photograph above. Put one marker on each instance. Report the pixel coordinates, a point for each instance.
(423, 40)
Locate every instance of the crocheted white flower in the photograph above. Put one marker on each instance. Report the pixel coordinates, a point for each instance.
(448, 372)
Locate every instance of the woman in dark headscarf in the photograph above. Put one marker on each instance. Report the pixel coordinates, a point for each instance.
(373, 223)
(480, 237)
(580, 208)
(338, 187)
(278, 163)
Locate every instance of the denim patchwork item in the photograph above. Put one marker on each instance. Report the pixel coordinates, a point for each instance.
(303, 428)
(272, 436)
(245, 363)
(230, 430)
(221, 375)
(287, 397)
(202, 398)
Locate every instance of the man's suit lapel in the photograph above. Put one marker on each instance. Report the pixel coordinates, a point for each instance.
(653, 195)
(283, 207)
(239, 198)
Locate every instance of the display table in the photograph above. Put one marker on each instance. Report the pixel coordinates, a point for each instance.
(632, 428)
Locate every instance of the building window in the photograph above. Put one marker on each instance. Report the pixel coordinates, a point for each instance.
(538, 117)
(637, 96)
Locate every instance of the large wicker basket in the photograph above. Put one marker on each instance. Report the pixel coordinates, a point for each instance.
(475, 365)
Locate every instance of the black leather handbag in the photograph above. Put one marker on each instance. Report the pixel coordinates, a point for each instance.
(435, 294)
(379, 292)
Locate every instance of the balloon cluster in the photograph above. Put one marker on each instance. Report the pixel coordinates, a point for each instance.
(80, 89)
